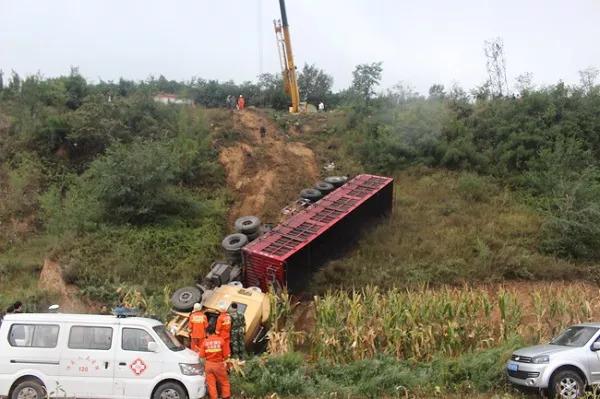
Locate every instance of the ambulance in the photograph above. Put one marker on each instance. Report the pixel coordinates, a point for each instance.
(93, 356)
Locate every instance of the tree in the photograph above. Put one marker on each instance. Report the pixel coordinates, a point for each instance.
(496, 66)
(588, 77)
(271, 93)
(76, 88)
(14, 85)
(365, 78)
(1, 79)
(315, 84)
(524, 83)
(437, 91)
(401, 93)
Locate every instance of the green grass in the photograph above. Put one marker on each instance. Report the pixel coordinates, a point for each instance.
(290, 375)
(19, 273)
(448, 228)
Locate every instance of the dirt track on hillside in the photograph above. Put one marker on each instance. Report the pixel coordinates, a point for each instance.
(51, 281)
(266, 170)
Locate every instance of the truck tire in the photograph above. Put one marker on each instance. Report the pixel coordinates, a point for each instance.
(252, 236)
(29, 389)
(324, 187)
(184, 298)
(169, 390)
(311, 194)
(566, 384)
(234, 242)
(247, 224)
(337, 181)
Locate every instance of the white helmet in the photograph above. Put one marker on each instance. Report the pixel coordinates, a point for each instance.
(197, 307)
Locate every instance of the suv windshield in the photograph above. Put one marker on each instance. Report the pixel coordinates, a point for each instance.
(169, 339)
(574, 336)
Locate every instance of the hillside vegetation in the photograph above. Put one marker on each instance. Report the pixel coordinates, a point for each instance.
(494, 196)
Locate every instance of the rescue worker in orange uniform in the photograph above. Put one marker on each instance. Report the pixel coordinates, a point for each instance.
(241, 103)
(224, 326)
(197, 325)
(216, 353)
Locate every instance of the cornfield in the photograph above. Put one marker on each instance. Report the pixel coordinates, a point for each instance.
(417, 324)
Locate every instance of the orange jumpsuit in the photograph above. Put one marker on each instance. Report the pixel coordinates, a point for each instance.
(223, 328)
(197, 323)
(215, 352)
(241, 103)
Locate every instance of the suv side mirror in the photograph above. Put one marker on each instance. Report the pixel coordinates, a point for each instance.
(595, 346)
(153, 347)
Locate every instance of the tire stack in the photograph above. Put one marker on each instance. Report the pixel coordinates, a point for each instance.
(322, 188)
(233, 244)
(336, 181)
(249, 226)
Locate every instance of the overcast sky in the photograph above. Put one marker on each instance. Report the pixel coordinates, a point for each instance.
(420, 42)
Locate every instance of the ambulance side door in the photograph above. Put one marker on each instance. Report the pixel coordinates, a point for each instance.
(137, 368)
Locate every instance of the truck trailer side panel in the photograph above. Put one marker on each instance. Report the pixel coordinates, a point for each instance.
(290, 253)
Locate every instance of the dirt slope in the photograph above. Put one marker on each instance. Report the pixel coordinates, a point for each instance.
(265, 170)
(51, 280)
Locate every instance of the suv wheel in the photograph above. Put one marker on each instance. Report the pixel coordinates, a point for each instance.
(567, 384)
(29, 390)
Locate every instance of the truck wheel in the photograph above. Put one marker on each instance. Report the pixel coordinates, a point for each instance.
(324, 187)
(337, 181)
(234, 242)
(247, 224)
(311, 194)
(29, 389)
(566, 384)
(184, 298)
(169, 390)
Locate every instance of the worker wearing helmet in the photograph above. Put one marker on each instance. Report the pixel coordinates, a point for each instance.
(241, 103)
(215, 353)
(197, 325)
(223, 327)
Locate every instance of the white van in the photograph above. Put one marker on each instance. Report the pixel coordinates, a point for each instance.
(92, 356)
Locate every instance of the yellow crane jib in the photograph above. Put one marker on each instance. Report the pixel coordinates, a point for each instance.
(286, 58)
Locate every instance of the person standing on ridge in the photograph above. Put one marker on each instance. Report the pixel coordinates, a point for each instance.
(215, 353)
(241, 103)
(238, 332)
(197, 325)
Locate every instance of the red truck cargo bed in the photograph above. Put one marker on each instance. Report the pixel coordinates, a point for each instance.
(290, 252)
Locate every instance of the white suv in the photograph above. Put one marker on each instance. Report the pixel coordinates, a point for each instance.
(564, 367)
(91, 356)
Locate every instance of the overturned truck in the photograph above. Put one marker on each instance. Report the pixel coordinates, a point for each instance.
(288, 255)
(312, 230)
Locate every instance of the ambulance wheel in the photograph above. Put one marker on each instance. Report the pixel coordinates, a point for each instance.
(184, 298)
(169, 390)
(29, 389)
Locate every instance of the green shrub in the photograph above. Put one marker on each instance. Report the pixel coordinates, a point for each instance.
(475, 188)
(290, 375)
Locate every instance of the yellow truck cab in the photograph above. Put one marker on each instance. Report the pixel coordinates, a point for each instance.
(251, 301)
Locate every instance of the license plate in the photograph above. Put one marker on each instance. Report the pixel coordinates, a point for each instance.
(512, 367)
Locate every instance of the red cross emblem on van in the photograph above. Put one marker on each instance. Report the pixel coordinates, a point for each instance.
(138, 366)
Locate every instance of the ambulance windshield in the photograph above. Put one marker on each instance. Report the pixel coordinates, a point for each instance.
(169, 339)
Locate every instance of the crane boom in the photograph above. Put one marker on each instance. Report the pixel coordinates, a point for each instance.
(286, 58)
